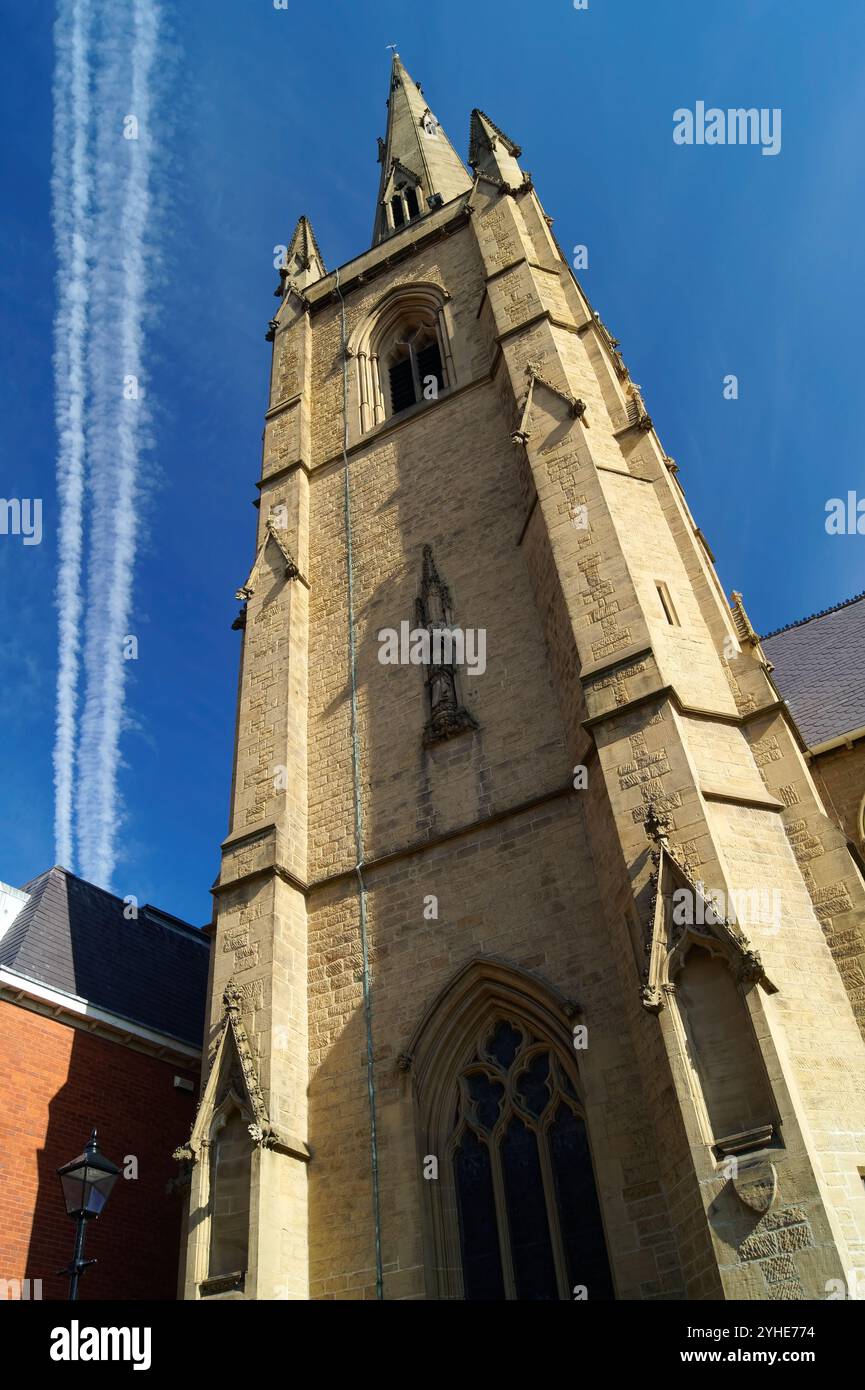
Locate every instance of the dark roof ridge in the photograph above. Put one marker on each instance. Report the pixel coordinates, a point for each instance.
(167, 917)
(76, 937)
(823, 613)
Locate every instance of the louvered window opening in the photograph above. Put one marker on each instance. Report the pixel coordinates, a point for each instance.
(419, 360)
(404, 206)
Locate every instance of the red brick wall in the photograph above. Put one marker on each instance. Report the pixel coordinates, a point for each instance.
(56, 1083)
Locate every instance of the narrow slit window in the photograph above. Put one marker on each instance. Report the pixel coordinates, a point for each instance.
(667, 604)
(398, 210)
(411, 202)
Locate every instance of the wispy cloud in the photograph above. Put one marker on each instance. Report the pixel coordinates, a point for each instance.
(113, 188)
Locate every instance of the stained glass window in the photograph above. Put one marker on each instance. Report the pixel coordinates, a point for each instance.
(529, 1219)
(482, 1265)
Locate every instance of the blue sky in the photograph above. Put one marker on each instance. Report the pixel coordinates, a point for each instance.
(703, 261)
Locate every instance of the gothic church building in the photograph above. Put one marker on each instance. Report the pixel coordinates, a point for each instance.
(483, 1021)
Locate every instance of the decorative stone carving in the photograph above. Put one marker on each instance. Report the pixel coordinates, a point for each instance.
(233, 1069)
(291, 570)
(576, 407)
(433, 612)
(668, 941)
(756, 1184)
(637, 413)
(745, 632)
(613, 345)
(658, 825)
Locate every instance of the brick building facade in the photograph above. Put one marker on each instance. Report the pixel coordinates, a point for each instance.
(100, 1025)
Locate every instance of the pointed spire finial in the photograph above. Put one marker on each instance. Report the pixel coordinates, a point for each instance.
(303, 263)
(492, 154)
(418, 162)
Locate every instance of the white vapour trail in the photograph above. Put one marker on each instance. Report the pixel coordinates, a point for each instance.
(70, 186)
(128, 41)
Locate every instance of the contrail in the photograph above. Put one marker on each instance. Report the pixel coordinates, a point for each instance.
(128, 40)
(101, 185)
(71, 196)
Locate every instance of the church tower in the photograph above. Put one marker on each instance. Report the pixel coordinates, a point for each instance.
(538, 963)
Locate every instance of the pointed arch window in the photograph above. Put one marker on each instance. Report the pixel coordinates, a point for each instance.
(404, 204)
(403, 354)
(529, 1221)
(515, 1213)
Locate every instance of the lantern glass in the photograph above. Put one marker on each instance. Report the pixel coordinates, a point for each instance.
(87, 1181)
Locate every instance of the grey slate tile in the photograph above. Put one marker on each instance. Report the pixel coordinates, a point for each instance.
(820, 670)
(74, 937)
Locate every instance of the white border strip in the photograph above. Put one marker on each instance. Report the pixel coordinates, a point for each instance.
(15, 989)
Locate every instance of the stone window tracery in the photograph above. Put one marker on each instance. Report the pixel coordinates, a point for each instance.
(499, 1106)
(529, 1222)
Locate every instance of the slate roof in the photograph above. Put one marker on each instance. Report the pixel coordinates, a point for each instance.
(72, 936)
(820, 670)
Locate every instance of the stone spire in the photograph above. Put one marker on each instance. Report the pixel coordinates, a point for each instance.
(417, 158)
(303, 263)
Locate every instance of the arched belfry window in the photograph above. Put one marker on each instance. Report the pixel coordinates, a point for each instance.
(514, 1214)
(403, 354)
(414, 367)
(402, 202)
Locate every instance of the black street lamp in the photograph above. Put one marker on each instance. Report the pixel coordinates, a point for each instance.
(87, 1182)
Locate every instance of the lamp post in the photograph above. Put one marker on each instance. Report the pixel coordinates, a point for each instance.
(86, 1182)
